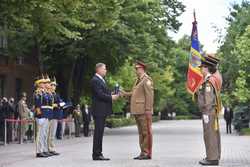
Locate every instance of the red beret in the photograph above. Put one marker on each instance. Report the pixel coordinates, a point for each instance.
(140, 64)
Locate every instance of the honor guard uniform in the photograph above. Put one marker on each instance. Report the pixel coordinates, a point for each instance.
(141, 106)
(57, 115)
(47, 108)
(40, 117)
(209, 103)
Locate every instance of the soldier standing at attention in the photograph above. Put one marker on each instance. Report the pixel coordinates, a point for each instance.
(47, 107)
(209, 103)
(40, 117)
(57, 112)
(141, 106)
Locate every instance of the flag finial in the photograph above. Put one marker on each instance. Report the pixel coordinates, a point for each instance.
(194, 16)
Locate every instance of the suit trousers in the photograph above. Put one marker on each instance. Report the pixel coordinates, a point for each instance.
(86, 129)
(99, 122)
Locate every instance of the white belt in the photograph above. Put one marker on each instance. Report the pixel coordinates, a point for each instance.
(46, 107)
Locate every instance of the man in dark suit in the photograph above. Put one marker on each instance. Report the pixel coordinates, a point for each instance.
(101, 108)
(228, 116)
(86, 120)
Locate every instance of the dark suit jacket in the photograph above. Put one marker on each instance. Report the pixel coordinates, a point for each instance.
(101, 98)
(228, 114)
(86, 117)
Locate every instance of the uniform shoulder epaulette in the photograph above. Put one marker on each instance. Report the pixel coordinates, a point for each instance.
(37, 92)
(148, 80)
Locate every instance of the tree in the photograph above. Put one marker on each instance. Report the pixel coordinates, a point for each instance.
(232, 55)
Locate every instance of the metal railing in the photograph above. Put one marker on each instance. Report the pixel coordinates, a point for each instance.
(18, 130)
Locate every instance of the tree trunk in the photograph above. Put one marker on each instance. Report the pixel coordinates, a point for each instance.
(39, 56)
(78, 78)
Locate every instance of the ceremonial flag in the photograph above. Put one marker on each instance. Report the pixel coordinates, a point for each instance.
(194, 75)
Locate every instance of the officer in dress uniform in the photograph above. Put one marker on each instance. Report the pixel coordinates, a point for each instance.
(40, 117)
(209, 103)
(141, 106)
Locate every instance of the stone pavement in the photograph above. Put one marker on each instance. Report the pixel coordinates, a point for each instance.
(176, 144)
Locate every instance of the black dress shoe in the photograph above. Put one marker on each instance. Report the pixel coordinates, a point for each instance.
(41, 155)
(100, 158)
(138, 157)
(144, 157)
(206, 162)
(54, 153)
(48, 154)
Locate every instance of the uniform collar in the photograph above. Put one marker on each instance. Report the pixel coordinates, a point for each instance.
(207, 76)
(140, 78)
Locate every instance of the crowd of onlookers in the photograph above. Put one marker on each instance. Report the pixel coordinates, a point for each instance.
(20, 124)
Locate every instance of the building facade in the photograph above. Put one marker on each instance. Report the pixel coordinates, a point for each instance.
(17, 76)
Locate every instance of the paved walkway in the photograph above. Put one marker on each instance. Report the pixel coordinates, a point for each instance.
(176, 144)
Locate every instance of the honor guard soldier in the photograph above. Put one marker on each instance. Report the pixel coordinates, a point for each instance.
(40, 117)
(47, 108)
(209, 103)
(57, 115)
(141, 106)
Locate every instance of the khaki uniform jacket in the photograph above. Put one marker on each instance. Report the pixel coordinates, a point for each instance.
(206, 98)
(23, 110)
(142, 96)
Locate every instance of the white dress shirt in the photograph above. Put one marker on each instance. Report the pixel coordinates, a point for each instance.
(99, 76)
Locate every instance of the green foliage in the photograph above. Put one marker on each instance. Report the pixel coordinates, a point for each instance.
(69, 37)
(245, 131)
(235, 56)
(125, 77)
(120, 122)
(242, 86)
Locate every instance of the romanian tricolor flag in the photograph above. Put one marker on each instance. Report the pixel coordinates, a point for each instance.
(194, 75)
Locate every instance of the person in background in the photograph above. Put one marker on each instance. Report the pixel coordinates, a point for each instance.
(30, 131)
(67, 118)
(24, 115)
(86, 120)
(8, 114)
(228, 116)
(77, 115)
(12, 116)
(2, 117)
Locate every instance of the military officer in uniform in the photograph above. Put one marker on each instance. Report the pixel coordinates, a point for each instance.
(209, 103)
(141, 106)
(77, 115)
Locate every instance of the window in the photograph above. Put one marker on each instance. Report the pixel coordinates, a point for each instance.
(20, 60)
(2, 82)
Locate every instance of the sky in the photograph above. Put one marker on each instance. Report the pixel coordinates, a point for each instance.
(209, 14)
